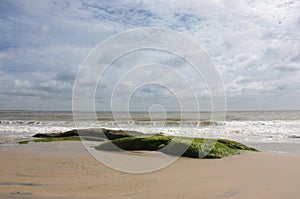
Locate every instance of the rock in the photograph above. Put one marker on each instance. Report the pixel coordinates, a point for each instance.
(96, 133)
(57, 135)
(188, 147)
(294, 136)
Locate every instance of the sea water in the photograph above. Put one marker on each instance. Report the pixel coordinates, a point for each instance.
(268, 130)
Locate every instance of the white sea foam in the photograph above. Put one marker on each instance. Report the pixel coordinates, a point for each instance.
(280, 131)
(241, 127)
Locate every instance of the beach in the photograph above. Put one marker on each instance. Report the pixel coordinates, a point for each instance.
(67, 170)
(149, 99)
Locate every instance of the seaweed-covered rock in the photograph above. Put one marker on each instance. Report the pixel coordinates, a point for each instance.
(57, 135)
(188, 147)
(96, 133)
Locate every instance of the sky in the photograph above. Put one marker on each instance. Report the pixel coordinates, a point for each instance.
(254, 45)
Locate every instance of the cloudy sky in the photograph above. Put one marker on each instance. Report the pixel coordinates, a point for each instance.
(255, 46)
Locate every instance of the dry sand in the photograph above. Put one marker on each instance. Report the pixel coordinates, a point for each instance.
(67, 170)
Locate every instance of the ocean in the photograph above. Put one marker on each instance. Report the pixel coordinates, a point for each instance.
(271, 131)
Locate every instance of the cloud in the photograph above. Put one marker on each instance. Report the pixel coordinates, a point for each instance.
(254, 45)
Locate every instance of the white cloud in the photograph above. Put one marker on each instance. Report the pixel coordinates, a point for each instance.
(254, 44)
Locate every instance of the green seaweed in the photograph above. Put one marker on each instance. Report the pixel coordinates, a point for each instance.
(195, 148)
(236, 145)
(54, 139)
(74, 138)
(24, 142)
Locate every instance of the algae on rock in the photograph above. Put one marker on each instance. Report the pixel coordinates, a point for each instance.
(188, 147)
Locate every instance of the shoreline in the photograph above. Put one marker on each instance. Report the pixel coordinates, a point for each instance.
(67, 170)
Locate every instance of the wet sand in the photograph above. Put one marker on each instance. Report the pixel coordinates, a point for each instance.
(67, 170)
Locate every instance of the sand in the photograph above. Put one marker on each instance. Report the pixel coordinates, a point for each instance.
(67, 170)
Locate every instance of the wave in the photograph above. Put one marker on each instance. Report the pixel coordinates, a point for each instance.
(17, 122)
(247, 131)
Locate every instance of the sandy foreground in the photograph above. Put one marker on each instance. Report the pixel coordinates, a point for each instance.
(67, 170)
